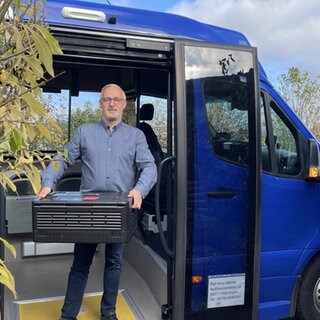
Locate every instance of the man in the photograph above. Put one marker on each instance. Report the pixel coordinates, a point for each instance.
(112, 153)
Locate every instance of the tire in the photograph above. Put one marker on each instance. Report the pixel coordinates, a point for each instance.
(308, 306)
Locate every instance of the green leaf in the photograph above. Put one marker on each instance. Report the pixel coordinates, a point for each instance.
(16, 140)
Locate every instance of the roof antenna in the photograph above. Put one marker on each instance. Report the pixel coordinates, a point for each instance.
(109, 3)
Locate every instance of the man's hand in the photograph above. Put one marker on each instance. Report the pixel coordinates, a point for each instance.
(136, 198)
(44, 192)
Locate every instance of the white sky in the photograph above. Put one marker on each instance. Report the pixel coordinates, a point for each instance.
(286, 32)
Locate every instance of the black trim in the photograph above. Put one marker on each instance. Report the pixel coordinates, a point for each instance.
(190, 208)
(222, 194)
(254, 192)
(102, 45)
(294, 297)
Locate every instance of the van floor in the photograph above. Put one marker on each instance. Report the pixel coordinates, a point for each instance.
(46, 277)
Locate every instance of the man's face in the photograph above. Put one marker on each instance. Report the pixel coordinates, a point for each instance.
(112, 104)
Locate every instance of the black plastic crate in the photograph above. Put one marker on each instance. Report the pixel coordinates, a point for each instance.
(83, 218)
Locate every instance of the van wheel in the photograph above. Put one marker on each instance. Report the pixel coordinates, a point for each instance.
(308, 307)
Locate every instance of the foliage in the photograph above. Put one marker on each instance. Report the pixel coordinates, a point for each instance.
(26, 50)
(89, 113)
(55, 105)
(6, 277)
(302, 92)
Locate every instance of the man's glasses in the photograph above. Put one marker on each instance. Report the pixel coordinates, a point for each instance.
(108, 100)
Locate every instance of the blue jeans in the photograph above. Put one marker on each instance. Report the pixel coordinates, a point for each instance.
(78, 276)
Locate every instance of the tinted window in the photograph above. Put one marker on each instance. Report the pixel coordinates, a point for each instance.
(227, 116)
(265, 152)
(285, 145)
(279, 144)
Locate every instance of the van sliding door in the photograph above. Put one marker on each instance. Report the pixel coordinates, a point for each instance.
(216, 259)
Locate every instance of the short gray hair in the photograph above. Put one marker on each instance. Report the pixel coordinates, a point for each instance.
(112, 85)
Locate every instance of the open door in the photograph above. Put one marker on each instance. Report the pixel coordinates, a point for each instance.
(217, 221)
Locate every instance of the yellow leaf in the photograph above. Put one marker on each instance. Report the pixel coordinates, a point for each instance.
(34, 176)
(4, 146)
(35, 105)
(52, 42)
(16, 115)
(54, 124)
(30, 79)
(8, 182)
(4, 76)
(9, 246)
(35, 65)
(25, 160)
(7, 279)
(17, 35)
(30, 132)
(3, 111)
(44, 51)
(44, 131)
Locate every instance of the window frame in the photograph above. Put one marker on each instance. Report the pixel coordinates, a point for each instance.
(267, 98)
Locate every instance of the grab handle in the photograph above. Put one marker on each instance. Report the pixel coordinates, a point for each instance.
(157, 206)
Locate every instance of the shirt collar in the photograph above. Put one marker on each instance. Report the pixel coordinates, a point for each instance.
(108, 127)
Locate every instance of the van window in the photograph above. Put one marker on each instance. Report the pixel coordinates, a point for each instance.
(227, 119)
(279, 141)
(265, 152)
(286, 147)
(158, 122)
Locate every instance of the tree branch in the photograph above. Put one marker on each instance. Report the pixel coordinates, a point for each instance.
(42, 83)
(4, 9)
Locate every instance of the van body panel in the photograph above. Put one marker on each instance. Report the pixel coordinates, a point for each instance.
(274, 310)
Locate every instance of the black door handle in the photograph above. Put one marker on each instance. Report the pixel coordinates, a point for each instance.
(227, 194)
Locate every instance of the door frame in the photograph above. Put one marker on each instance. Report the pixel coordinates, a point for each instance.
(254, 181)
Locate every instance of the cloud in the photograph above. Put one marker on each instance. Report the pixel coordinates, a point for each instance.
(286, 32)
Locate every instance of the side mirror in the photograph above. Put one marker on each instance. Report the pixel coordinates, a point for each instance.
(313, 161)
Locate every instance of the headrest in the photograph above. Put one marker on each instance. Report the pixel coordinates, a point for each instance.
(146, 111)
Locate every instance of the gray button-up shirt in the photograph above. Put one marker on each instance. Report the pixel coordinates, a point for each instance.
(111, 161)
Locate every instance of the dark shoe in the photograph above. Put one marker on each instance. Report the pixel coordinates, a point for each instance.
(109, 317)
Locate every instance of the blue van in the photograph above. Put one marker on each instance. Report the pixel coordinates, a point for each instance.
(235, 213)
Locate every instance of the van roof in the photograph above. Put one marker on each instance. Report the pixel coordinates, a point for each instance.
(140, 22)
